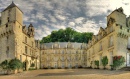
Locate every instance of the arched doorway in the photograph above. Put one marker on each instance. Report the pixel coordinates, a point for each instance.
(26, 65)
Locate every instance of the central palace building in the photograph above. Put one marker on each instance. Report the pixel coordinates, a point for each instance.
(17, 41)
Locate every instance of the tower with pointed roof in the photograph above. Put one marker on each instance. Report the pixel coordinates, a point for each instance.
(11, 31)
(17, 41)
(12, 14)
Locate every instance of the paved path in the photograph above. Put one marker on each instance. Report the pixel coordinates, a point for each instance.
(70, 74)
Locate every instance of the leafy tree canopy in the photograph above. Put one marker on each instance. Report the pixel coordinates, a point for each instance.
(67, 35)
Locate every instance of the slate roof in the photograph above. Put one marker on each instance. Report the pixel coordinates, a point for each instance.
(11, 6)
(63, 44)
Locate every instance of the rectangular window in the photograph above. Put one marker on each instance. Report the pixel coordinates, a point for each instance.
(100, 46)
(7, 51)
(26, 49)
(111, 41)
(32, 44)
(25, 39)
(8, 19)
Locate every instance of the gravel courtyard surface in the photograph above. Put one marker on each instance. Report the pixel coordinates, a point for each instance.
(69, 74)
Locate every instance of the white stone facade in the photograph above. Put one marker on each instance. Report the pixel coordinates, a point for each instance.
(111, 41)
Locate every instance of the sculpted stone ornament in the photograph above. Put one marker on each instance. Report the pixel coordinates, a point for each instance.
(120, 10)
(111, 21)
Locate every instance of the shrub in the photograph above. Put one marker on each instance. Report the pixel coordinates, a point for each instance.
(118, 61)
(104, 61)
(45, 68)
(80, 66)
(32, 65)
(32, 68)
(5, 66)
(13, 64)
(97, 63)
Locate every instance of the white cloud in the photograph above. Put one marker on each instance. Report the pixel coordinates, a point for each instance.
(99, 7)
(58, 26)
(71, 23)
(77, 14)
(88, 26)
(60, 17)
(52, 18)
(79, 20)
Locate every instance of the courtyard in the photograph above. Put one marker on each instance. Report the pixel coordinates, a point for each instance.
(69, 74)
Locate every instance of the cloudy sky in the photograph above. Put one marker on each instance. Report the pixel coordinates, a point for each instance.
(81, 15)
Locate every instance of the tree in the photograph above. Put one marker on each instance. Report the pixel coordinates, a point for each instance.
(67, 35)
(97, 63)
(32, 65)
(104, 61)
